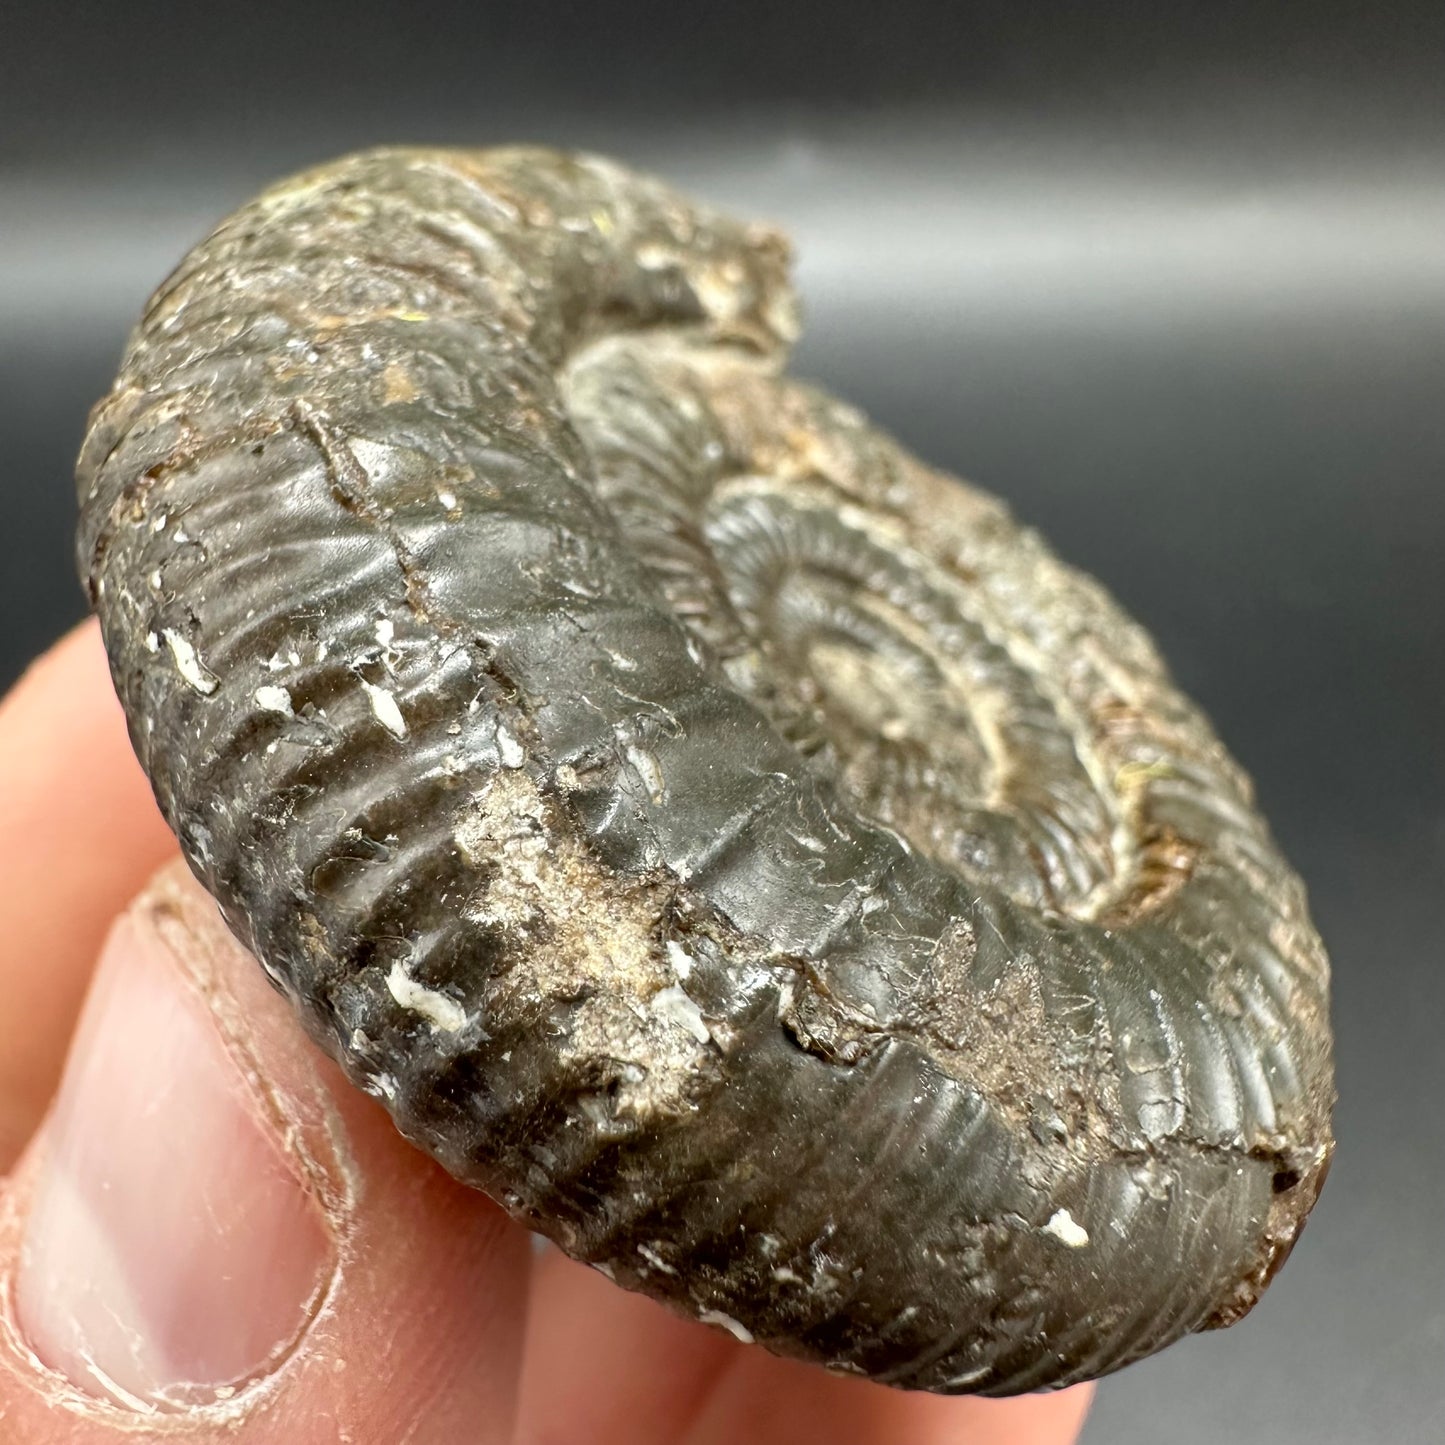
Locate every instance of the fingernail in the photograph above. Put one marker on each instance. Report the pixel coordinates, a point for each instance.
(173, 1250)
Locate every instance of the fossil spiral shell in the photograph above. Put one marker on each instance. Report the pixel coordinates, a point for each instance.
(747, 854)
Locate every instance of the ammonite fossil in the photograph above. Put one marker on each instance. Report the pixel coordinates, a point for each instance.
(745, 853)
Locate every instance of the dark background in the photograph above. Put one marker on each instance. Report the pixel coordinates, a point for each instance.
(1169, 278)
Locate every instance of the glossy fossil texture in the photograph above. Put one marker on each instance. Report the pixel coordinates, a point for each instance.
(749, 855)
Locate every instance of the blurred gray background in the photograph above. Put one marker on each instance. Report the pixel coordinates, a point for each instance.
(1171, 279)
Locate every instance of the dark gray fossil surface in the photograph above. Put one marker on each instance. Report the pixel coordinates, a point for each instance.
(745, 853)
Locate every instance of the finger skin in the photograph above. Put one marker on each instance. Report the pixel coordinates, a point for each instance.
(417, 1338)
(79, 835)
(768, 1401)
(609, 1367)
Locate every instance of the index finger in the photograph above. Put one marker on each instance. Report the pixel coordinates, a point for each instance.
(79, 835)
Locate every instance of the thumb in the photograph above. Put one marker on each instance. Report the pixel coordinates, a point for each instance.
(215, 1237)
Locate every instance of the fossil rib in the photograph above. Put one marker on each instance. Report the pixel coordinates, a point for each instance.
(748, 855)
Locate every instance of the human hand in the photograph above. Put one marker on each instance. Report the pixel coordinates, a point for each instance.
(207, 1235)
